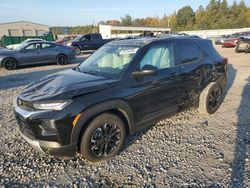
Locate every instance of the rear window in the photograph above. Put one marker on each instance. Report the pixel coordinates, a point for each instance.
(95, 37)
(188, 51)
(48, 45)
(209, 49)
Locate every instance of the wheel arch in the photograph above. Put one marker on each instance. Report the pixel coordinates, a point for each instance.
(117, 107)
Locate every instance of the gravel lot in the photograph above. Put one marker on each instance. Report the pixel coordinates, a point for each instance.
(187, 150)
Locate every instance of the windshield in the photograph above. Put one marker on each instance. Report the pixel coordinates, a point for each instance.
(77, 38)
(110, 60)
(20, 46)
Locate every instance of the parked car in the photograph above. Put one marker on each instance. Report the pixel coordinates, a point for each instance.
(124, 86)
(36, 53)
(233, 39)
(221, 39)
(243, 45)
(67, 40)
(13, 46)
(88, 42)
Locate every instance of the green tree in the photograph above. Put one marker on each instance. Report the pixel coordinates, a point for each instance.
(126, 20)
(185, 18)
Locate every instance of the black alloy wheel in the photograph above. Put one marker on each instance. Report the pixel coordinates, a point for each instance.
(10, 64)
(103, 138)
(62, 60)
(214, 99)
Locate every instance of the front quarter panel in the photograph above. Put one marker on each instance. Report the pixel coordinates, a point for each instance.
(99, 108)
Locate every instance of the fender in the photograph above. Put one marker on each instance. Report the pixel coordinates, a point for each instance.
(99, 108)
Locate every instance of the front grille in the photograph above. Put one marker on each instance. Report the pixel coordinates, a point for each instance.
(23, 126)
(25, 104)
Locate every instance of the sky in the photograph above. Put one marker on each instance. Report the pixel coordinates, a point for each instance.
(82, 12)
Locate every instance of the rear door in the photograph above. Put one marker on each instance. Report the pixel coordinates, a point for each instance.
(97, 41)
(195, 69)
(48, 52)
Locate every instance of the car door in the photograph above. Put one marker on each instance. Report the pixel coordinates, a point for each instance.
(86, 43)
(195, 68)
(160, 92)
(30, 54)
(97, 42)
(47, 52)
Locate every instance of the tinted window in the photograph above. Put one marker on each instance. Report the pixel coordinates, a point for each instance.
(188, 51)
(47, 45)
(209, 49)
(95, 37)
(87, 37)
(161, 57)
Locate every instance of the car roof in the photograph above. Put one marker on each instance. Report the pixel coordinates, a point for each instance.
(35, 42)
(143, 41)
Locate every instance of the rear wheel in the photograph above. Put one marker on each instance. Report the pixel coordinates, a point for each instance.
(10, 64)
(62, 59)
(103, 138)
(210, 99)
(77, 50)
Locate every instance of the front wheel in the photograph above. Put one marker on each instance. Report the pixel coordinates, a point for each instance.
(77, 50)
(10, 64)
(103, 138)
(210, 99)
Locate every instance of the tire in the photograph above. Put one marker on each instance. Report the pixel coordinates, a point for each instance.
(61, 59)
(100, 130)
(210, 99)
(10, 64)
(77, 50)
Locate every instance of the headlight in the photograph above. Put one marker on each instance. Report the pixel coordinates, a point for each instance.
(69, 43)
(51, 106)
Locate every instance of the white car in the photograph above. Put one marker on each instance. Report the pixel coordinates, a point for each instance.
(13, 46)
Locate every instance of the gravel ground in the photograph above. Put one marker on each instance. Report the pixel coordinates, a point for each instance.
(187, 150)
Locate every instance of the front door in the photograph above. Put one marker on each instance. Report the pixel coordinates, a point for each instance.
(160, 92)
(30, 54)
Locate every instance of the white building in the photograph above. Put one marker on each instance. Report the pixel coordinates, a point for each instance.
(110, 31)
(22, 28)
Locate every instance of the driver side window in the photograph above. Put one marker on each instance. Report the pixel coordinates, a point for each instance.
(161, 57)
(32, 47)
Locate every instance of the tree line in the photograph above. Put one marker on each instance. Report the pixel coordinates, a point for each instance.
(218, 14)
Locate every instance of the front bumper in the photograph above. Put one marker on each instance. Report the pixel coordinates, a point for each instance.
(43, 138)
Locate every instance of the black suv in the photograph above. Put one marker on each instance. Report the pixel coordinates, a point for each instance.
(124, 86)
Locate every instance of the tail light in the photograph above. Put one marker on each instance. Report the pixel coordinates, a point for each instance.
(225, 61)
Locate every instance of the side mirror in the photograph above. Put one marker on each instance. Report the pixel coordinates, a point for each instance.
(143, 73)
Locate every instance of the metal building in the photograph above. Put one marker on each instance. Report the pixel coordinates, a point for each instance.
(22, 28)
(110, 31)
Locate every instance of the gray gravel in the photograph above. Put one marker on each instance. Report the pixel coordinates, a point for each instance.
(187, 150)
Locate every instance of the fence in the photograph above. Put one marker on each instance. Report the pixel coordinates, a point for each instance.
(215, 33)
(8, 40)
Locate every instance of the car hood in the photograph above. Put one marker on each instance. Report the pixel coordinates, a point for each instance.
(4, 51)
(65, 85)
